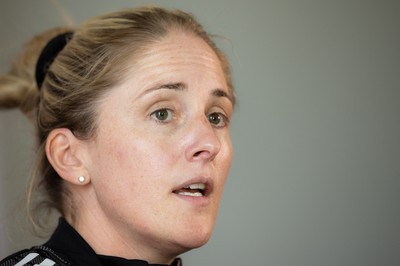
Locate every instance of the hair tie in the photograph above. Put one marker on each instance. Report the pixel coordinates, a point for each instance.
(48, 54)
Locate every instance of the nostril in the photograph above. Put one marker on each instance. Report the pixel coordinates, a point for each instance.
(203, 145)
(197, 154)
(204, 155)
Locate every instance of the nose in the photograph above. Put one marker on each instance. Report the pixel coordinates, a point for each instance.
(203, 143)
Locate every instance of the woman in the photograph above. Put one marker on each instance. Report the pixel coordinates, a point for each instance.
(134, 148)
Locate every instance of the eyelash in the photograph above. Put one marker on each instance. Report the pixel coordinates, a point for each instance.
(224, 119)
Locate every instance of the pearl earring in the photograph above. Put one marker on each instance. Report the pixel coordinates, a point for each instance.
(81, 179)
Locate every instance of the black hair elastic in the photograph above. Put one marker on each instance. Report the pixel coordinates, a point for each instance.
(48, 54)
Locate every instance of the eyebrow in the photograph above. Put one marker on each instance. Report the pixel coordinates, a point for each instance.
(180, 86)
(222, 93)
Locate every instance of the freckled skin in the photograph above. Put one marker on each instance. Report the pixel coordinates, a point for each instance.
(135, 161)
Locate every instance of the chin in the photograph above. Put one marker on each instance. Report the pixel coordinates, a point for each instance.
(195, 239)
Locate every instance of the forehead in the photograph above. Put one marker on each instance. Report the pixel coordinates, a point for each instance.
(182, 42)
(177, 51)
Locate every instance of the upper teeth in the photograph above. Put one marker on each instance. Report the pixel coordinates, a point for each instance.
(197, 186)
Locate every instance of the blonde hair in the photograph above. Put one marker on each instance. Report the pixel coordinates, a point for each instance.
(92, 62)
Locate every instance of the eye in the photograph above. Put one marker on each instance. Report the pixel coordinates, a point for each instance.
(162, 115)
(218, 119)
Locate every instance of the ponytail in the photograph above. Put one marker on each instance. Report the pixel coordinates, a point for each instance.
(18, 88)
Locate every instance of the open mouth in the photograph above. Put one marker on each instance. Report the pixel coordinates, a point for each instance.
(193, 190)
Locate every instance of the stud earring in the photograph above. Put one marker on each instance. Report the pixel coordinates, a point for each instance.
(81, 179)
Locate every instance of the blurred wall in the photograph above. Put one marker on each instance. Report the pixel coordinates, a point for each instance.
(316, 172)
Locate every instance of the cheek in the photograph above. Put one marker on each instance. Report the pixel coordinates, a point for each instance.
(109, 159)
(228, 156)
(226, 153)
(117, 178)
(134, 161)
(223, 162)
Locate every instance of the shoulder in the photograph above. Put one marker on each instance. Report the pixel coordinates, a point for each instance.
(40, 255)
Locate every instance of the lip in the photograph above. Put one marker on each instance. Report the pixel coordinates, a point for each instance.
(209, 183)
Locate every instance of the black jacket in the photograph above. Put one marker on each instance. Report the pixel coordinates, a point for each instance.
(67, 248)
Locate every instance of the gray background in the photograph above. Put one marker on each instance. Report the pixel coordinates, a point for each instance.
(316, 172)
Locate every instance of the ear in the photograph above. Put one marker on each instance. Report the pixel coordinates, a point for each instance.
(64, 152)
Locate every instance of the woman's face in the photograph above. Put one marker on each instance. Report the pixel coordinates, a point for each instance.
(162, 150)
